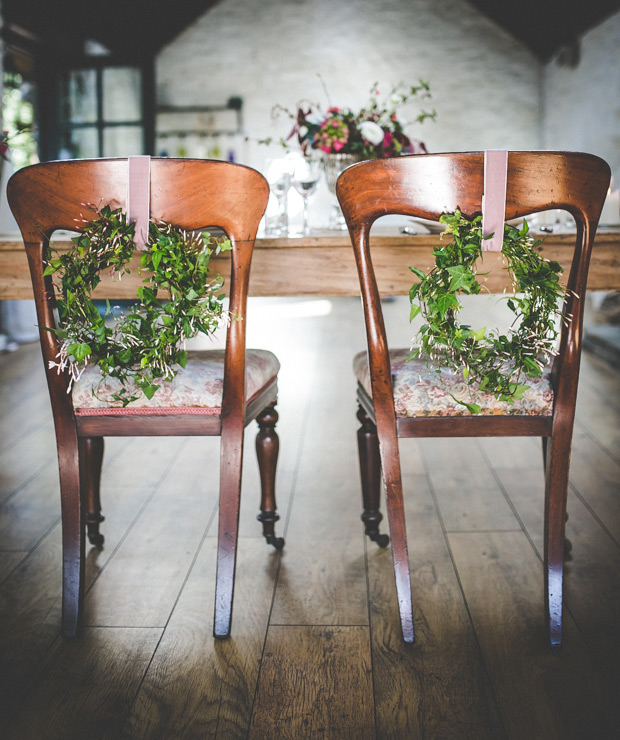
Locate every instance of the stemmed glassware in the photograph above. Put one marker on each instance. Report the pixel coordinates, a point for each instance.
(278, 171)
(306, 173)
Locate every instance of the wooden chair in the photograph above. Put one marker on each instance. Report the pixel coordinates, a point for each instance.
(191, 194)
(426, 186)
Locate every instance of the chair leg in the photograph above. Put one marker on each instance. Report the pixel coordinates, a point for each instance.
(556, 489)
(231, 458)
(568, 545)
(73, 539)
(91, 458)
(390, 462)
(267, 449)
(370, 473)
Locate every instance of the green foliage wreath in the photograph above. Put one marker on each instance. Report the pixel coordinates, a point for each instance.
(495, 362)
(145, 345)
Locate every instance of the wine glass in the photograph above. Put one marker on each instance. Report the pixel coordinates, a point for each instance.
(278, 173)
(306, 173)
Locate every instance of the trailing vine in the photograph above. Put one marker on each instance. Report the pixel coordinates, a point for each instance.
(496, 363)
(179, 298)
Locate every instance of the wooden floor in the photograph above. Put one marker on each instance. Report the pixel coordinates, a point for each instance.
(316, 649)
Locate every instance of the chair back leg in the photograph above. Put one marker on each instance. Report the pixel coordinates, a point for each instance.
(556, 490)
(394, 504)
(231, 460)
(73, 536)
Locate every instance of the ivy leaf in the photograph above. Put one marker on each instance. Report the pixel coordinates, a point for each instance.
(445, 302)
(149, 389)
(462, 278)
(79, 351)
(415, 310)
(473, 408)
(418, 272)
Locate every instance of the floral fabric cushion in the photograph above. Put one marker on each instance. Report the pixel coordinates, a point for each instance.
(420, 391)
(198, 387)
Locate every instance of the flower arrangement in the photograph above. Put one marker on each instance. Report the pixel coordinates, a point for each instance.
(146, 345)
(373, 132)
(4, 145)
(7, 139)
(496, 363)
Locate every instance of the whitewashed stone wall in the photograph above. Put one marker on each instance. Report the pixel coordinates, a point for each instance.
(582, 104)
(485, 84)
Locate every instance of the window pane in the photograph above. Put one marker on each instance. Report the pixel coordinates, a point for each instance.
(83, 144)
(122, 141)
(122, 94)
(79, 90)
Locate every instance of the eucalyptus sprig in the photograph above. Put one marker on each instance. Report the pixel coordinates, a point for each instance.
(179, 298)
(497, 363)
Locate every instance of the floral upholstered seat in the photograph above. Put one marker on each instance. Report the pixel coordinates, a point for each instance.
(419, 390)
(196, 389)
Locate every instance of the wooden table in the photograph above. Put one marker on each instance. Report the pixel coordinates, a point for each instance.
(323, 264)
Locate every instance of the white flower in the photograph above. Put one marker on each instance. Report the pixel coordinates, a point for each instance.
(396, 100)
(316, 119)
(303, 130)
(372, 132)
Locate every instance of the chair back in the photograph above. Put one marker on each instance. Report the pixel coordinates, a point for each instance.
(189, 194)
(428, 185)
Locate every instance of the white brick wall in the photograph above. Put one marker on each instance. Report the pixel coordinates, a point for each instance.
(582, 105)
(485, 84)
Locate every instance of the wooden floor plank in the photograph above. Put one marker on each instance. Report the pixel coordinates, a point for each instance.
(322, 577)
(218, 678)
(542, 693)
(457, 470)
(315, 682)
(21, 418)
(494, 678)
(84, 688)
(596, 478)
(29, 514)
(9, 561)
(140, 585)
(29, 618)
(438, 687)
(592, 574)
(23, 460)
(21, 371)
(600, 418)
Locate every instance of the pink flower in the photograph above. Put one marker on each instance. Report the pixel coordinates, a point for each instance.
(338, 145)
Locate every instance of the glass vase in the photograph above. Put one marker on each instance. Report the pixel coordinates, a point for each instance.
(333, 165)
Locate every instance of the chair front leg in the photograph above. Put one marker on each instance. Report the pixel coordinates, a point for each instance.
(370, 474)
(91, 459)
(267, 450)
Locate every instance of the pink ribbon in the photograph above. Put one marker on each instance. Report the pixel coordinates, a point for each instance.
(494, 198)
(139, 197)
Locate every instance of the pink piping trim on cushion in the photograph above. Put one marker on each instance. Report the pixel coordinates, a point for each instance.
(149, 411)
(494, 198)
